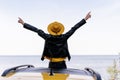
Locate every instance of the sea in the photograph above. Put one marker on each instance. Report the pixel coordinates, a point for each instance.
(99, 63)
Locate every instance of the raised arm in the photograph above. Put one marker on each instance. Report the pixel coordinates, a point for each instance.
(32, 28)
(27, 26)
(78, 25)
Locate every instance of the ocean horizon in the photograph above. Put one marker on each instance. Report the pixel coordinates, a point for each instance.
(99, 63)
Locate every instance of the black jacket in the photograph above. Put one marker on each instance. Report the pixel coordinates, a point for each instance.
(55, 46)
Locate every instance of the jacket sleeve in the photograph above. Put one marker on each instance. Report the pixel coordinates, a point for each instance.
(34, 29)
(73, 29)
(30, 27)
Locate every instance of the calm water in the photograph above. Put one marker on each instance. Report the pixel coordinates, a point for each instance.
(97, 63)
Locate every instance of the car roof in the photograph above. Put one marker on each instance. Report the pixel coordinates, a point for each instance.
(38, 73)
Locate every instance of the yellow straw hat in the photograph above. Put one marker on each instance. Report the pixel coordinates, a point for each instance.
(55, 28)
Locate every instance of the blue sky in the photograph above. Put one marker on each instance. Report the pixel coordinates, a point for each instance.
(100, 35)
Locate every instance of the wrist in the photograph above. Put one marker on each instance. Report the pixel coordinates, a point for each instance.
(22, 23)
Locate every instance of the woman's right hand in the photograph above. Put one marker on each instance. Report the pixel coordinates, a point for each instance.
(88, 16)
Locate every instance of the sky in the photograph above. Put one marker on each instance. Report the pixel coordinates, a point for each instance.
(99, 36)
